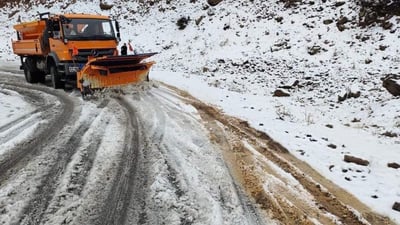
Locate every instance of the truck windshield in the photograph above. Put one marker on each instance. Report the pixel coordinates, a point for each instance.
(88, 29)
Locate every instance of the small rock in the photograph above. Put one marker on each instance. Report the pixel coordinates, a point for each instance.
(198, 21)
(182, 22)
(342, 20)
(337, 4)
(393, 165)
(13, 13)
(314, 50)
(349, 94)
(279, 19)
(226, 27)
(396, 206)
(382, 47)
(387, 25)
(280, 93)
(389, 134)
(302, 152)
(340, 24)
(211, 12)
(332, 146)
(329, 125)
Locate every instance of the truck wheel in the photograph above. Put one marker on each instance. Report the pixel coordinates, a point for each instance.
(55, 78)
(41, 77)
(29, 75)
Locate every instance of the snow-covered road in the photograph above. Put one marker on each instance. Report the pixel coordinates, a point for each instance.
(136, 158)
(150, 154)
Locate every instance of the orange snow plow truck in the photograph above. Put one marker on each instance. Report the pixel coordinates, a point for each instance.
(77, 47)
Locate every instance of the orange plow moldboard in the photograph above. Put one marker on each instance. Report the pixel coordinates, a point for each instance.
(111, 71)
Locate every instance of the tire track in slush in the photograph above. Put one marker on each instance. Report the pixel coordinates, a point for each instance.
(13, 128)
(37, 206)
(20, 119)
(31, 97)
(18, 127)
(80, 170)
(138, 214)
(152, 142)
(49, 132)
(118, 199)
(79, 180)
(250, 211)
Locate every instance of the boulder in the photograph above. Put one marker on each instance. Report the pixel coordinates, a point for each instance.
(358, 161)
(213, 2)
(105, 6)
(378, 12)
(392, 84)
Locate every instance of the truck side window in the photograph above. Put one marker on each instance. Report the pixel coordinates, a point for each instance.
(56, 30)
(69, 29)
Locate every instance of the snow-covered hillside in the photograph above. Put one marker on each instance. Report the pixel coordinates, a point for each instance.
(238, 53)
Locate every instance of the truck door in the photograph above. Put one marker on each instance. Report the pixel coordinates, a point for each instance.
(57, 46)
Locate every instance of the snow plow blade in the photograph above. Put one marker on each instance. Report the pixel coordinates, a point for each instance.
(113, 71)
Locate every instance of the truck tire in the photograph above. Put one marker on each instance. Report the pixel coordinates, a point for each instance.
(55, 78)
(32, 74)
(41, 77)
(29, 75)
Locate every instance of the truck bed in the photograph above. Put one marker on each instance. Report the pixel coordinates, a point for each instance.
(27, 47)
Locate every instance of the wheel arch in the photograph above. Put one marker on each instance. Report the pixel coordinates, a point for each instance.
(52, 59)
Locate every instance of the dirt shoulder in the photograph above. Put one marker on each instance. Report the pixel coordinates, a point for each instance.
(284, 187)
